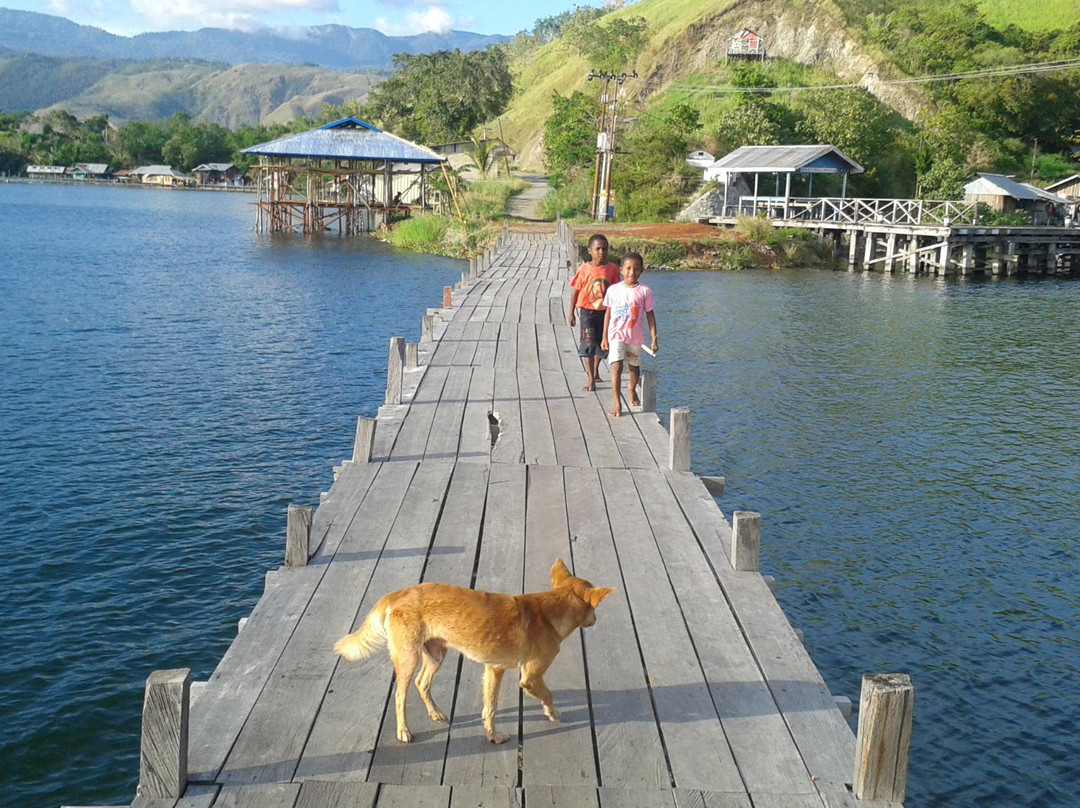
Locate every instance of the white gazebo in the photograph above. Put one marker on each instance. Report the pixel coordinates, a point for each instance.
(783, 161)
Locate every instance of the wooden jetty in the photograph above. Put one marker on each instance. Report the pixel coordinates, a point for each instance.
(920, 236)
(488, 462)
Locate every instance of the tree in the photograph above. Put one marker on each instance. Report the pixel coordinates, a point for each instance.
(618, 43)
(851, 119)
(481, 154)
(441, 96)
(570, 136)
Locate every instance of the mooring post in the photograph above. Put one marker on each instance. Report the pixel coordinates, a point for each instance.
(679, 440)
(395, 366)
(411, 356)
(427, 328)
(464, 280)
(163, 749)
(881, 745)
(447, 297)
(745, 540)
(297, 535)
(365, 440)
(648, 390)
(473, 271)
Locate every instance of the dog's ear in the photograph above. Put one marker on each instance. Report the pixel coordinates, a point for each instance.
(559, 572)
(597, 593)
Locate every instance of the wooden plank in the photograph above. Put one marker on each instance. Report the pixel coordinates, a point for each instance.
(345, 729)
(620, 798)
(412, 439)
(554, 754)
(688, 798)
(528, 301)
(270, 745)
(570, 449)
(337, 794)
(486, 346)
(512, 313)
(764, 751)
(712, 531)
(697, 749)
(539, 440)
(393, 796)
(470, 758)
(486, 797)
(445, 433)
(509, 447)
(547, 347)
(635, 452)
(561, 797)
(260, 795)
(629, 748)
(476, 434)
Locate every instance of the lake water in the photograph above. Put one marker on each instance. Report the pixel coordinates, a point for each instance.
(170, 381)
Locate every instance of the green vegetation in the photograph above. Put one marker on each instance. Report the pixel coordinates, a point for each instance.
(442, 96)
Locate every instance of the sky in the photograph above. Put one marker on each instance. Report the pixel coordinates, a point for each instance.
(391, 17)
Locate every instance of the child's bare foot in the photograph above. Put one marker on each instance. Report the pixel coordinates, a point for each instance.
(589, 388)
(615, 413)
(634, 401)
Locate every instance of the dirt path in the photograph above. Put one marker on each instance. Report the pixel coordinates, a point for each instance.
(524, 205)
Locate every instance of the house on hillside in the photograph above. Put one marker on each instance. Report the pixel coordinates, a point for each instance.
(1006, 195)
(166, 176)
(746, 45)
(45, 172)
(217, 174)
(90, 171)
(1068, 187)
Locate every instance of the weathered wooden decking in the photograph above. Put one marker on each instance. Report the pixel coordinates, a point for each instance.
(692, 688)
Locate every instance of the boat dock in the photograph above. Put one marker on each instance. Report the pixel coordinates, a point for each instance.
(487, 462)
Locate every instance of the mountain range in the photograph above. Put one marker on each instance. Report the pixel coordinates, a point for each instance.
(336, 47)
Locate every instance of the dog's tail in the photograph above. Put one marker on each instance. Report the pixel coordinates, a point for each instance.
(367, 639)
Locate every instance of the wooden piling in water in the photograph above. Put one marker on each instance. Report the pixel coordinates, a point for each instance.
(745, 541)
(163, 750)
(297, 535)
(365, 439)
(886, 705)
(395, 366)
(679, 443)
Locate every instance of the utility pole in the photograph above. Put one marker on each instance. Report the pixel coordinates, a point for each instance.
(602, 209)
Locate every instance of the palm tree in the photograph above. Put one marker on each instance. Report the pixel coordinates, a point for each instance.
(482, 155)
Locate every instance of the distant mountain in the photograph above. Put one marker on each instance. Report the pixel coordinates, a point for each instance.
(230, 95)
(333, 46)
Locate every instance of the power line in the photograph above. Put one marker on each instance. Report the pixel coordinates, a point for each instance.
(992, 72)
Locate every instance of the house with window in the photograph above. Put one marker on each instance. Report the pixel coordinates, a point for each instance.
(1005, 195)
(45, 172)
(216, 174)
(1068, 187)
(746, 45)
(90, 171)
(165, 176)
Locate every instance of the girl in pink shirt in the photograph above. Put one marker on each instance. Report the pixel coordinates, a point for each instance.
(626, 302)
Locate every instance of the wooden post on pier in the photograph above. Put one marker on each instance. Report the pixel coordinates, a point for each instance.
(297, 535)
(163, 750)
(745, 541)
(679, 442)
(447, 297)
(881, 746)
(365, 440)
(473, 271)
(395, 366)
(411, 356)
(648, 390)
(427, 328)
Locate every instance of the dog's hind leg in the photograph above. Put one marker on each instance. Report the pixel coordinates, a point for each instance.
(532, 682)
(492, 682)
(405, 654)
(433, 653)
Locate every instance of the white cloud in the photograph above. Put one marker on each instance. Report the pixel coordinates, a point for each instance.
(432, 19)
(242, 14)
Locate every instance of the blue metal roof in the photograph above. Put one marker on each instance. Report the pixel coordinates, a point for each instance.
(347, 139)
(810, 159)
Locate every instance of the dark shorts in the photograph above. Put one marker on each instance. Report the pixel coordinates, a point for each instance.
(591, 323)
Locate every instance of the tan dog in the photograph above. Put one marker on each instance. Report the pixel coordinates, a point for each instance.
(498, 631)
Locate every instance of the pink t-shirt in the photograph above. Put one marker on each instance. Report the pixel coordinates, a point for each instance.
(627, 305)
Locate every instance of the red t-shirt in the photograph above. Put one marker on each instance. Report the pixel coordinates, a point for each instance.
(592, 282)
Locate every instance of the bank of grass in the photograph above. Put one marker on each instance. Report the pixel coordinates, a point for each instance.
(752, 243)
(483, 206)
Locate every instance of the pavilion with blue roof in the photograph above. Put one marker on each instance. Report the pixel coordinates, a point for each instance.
(347, 174)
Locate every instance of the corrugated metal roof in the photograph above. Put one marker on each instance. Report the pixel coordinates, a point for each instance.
(347, 139)
(1042, 193)
(999, 185)
(93, 168)
(1063, 183)
(213, 167)
(787, 160)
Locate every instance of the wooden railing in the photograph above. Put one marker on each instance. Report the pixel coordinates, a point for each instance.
(926, 212)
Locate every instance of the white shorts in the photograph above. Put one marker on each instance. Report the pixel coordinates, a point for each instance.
(620, 351)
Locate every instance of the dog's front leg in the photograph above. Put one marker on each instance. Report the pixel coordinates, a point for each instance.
(532, 682)
(492, 682)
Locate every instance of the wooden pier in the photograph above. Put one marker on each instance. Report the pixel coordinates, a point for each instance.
(919, 236)
(488, 462)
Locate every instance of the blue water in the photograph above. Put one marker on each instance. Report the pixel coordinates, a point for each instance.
(912, 446)
(170, 381)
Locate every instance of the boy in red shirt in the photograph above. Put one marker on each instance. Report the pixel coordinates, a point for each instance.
(587, 301)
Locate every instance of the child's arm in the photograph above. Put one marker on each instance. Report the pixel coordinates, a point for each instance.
(607, 320)
(652, 330)
(573, 305)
